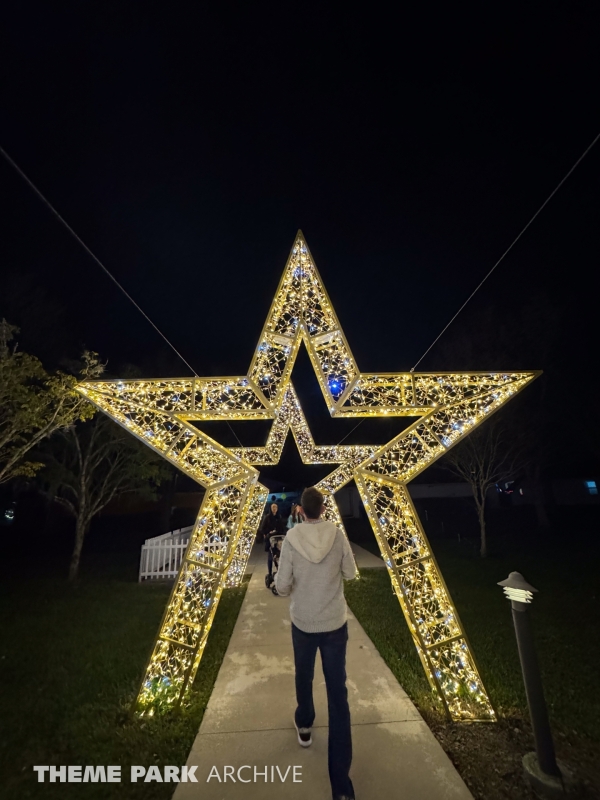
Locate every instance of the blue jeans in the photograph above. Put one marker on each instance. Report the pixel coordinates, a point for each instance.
(332, 645)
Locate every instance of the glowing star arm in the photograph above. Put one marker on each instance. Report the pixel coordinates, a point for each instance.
(430, 437)
(209, 561)
(416, 394)
(425, 601)
(189, 399)
(450, 405)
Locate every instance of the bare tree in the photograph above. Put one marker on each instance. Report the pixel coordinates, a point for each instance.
(493, 453)
(90, 464)
(530, 336)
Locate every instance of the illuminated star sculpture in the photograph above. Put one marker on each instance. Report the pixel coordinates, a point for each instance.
(449, 406)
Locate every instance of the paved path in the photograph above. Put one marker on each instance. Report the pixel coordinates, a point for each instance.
(258, 559)
(248, 720)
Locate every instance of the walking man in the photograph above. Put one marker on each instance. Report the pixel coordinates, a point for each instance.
(315, 556)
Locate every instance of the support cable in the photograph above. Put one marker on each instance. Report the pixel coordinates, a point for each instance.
(234, 433)
(504, 254)
(509, 248)
(95, 258)
(350, 431)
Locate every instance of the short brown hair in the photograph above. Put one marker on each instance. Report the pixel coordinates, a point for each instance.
(312, 502)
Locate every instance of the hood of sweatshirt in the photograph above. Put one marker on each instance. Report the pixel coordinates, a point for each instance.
(313, 540)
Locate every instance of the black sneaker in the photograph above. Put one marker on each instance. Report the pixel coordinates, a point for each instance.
(304, 736)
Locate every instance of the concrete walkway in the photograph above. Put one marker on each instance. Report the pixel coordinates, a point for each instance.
(249, 720)
(363, 558)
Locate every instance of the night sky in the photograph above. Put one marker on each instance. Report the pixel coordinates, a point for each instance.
(187, 143)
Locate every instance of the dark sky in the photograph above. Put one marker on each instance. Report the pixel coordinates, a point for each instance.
(186, 144)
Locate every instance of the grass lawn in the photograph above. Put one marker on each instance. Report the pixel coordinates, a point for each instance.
(565, 616)
(70, 663)
(71, 659)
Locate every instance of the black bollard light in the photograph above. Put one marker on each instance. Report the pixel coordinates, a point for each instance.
(541, 767)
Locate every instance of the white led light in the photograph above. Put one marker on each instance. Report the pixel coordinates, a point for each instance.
(163, 411)
(519, 595)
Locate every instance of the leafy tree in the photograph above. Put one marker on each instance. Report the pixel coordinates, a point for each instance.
(34, 404)
(492, 454)
(93, 462)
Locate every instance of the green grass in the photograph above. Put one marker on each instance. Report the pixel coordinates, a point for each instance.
(565, 617)
(71, 659)
(70, 663)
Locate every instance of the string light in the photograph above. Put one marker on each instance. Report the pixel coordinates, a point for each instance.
(449, 406)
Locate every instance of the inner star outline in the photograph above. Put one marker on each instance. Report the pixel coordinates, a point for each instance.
(448, 406)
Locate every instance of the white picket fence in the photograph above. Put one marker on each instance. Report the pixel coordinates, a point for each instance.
(162, 555)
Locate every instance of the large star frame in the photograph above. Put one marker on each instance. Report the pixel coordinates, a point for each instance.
(449, 406)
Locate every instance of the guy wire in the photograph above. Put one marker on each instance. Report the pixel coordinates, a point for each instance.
(234, 433)
(351, 431)
(509, 248)
(95, 258)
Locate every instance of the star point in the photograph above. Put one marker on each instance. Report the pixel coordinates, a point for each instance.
(448, 406)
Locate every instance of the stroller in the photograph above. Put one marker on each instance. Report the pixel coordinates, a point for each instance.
(276, 542)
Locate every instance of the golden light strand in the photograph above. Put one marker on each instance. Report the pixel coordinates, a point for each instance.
(449, 406)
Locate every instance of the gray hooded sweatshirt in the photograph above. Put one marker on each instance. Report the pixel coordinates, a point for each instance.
(314, 559)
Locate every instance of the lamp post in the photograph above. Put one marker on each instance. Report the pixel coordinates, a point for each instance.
(541, 767)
